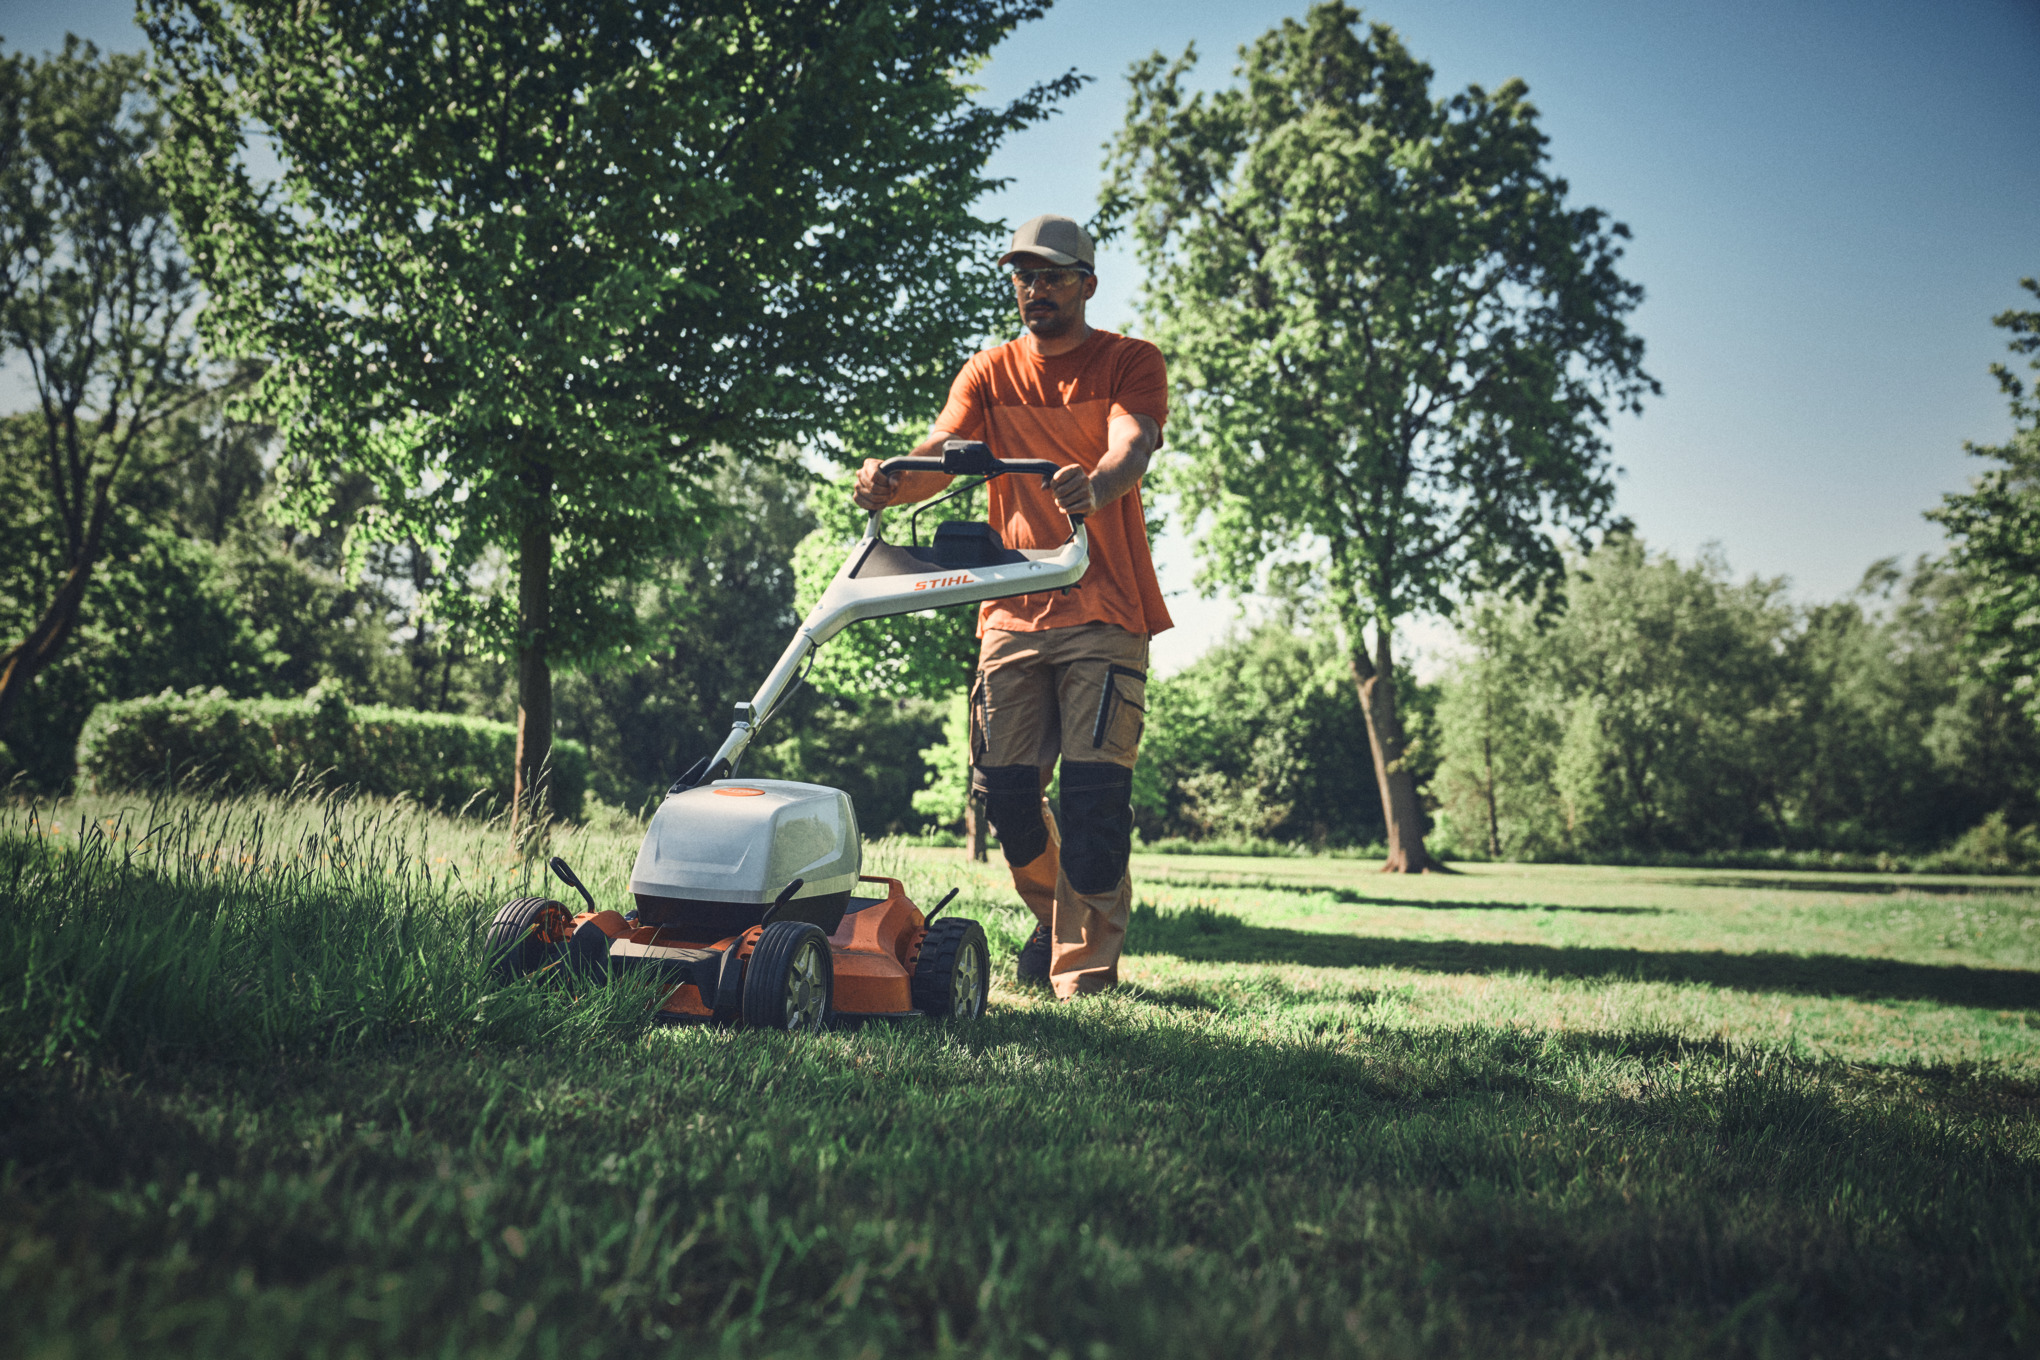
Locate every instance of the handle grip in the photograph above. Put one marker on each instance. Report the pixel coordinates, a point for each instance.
(968, 457)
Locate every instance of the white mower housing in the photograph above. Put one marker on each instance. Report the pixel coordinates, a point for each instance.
(741, 842)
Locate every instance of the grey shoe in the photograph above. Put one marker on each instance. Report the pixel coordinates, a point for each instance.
(1033, 965)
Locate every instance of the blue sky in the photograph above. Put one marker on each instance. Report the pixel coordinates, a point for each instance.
(1829, 200)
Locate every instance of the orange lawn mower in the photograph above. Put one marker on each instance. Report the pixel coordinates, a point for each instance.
(751, 902)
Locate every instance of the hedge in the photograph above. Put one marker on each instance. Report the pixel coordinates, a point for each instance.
(440, 759)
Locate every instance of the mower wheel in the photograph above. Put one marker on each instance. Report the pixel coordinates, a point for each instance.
(588, 954)
(525, 936)
(954, 971)
(788, 982)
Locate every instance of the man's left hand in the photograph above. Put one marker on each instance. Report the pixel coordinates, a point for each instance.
(1073, 492)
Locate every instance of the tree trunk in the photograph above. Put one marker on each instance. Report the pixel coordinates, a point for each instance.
(973, 801)
(28, 658)
(1494, 819)
(531, 795)
(1374, 678)
(974, 825)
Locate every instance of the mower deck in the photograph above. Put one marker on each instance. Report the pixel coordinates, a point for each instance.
(873, 952)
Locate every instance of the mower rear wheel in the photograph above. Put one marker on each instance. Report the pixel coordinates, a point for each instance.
(525, 936)
(954, 972)
(788, 983)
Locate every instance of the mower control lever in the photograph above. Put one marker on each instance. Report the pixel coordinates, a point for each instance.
(785, 895)
(568, 877)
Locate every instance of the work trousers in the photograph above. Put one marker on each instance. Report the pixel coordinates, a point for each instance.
(1076, 694)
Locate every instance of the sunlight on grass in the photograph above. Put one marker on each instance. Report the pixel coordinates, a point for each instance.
(262, 1097)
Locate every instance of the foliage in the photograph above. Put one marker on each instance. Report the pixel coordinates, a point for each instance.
(532, 268)
(1395, 344)
(944, 799)
(1662, 709)
(928, 655)
(869, 748)
(713, 621)
(1995, 528)
(716, 620)
(441, 760)
(1995, 844)
(198, 586)
(265, 1101)
(95, 303)
(1262, 738)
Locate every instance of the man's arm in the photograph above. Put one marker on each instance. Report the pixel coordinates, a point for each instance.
(875, 490)
(1130, 441)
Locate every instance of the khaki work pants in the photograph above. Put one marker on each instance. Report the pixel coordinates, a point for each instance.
(1078, 694)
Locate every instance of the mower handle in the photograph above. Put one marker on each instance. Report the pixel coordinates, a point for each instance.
(970, 458)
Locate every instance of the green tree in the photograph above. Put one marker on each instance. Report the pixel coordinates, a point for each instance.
(96, 300)
(926, 655)
(1995, 528)
(1395, 344)
(165, 610)
(1657, 707)
(930, 655)
(1499, 737)
(1261, 737)
(530, 267)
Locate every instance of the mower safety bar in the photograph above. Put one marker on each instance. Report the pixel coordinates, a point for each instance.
(968, 457)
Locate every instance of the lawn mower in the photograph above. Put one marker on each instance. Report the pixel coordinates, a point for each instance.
(752, 904)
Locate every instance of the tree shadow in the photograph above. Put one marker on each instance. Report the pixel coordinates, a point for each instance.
(1348, 897)
(1206, 936)
(1848, 886)
(1351, 897)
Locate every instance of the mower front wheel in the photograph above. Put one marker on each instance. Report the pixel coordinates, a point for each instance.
(525, 936)
(954, 972)
(788, 983)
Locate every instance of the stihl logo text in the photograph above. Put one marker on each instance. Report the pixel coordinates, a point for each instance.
(944, 581)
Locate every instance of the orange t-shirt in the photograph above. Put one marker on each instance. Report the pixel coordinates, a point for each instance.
(1025, 405)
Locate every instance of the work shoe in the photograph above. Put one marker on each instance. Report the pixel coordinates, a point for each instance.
(1033, 966)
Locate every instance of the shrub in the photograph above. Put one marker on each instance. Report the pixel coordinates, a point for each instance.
(442, 760)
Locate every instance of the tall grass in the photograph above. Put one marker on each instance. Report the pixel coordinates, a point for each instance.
(236, 928)
(259, 1097)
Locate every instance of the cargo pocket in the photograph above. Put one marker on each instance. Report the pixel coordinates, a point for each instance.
(974, 720)
(1122, 714)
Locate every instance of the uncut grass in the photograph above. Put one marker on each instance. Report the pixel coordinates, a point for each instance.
(1232, 1158)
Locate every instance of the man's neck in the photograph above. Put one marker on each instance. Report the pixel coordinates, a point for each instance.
(1072, 339)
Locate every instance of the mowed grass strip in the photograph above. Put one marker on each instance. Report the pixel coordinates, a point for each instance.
(262, 1099)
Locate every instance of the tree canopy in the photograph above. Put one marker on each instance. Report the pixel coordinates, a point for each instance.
(1396, 344)
(532, 267)
(96, 300)
(1995, 526)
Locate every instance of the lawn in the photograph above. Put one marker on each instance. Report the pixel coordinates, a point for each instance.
(261, 1099)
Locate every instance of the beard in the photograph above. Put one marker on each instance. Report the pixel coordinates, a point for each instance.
(1047, 320)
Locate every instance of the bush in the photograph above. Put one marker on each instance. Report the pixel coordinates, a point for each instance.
(442, 760)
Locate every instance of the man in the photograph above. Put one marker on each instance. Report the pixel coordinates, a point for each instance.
(1062, 673)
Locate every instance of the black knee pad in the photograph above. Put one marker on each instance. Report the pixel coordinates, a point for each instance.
(1097, 824)
(1013, 803)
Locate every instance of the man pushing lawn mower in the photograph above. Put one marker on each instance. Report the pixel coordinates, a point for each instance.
(1061, 673)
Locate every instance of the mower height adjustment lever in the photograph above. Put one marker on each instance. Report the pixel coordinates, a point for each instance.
(785, 895)
(568, 877)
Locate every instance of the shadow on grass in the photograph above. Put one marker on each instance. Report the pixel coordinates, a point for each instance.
(1883, 888)
(1350, 898)
(1205, 936)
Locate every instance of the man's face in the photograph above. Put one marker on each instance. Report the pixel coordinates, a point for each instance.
(1052, 304)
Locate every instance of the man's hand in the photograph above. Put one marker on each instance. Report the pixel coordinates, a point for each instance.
(1073, 491)
(875, 490)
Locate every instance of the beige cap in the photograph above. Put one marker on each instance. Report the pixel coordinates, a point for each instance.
(1054, 238)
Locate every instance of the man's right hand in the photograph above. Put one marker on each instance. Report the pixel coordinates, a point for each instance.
(875, 490)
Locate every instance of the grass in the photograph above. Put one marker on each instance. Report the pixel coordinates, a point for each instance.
(259, 1098)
